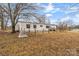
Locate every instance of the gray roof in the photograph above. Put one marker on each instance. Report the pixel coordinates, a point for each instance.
(37, 23)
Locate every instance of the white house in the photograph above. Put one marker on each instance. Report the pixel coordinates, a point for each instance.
(32, 27)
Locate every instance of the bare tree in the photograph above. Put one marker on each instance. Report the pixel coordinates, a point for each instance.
(65, 25)
(39, 18)
(15, 10)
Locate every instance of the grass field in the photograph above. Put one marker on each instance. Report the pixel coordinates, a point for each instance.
(41, 44)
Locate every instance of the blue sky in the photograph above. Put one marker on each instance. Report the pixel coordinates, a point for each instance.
(60, 11)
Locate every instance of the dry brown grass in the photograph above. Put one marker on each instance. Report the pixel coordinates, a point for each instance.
(41, 44)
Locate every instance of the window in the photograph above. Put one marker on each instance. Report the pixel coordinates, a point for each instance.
(28, 25)
(41, 25)
(34, 26)
(47, 26)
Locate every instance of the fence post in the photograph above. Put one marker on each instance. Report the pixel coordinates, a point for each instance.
(35, 31)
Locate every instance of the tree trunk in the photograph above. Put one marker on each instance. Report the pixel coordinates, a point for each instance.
(12, 19)
(2, 22)
(2, 25)
(13, 28)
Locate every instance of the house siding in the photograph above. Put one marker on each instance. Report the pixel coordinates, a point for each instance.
(20, 26)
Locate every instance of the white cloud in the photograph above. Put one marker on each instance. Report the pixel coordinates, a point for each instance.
(65, 18)
(71, 9)
(55, 10)
(53, 21)
(50, 7)
(75, 19)
(77, 15)
(74, 8)
(48, 15)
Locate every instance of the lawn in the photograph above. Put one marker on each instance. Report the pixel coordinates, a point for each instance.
(40, 44)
